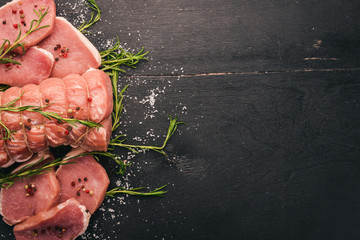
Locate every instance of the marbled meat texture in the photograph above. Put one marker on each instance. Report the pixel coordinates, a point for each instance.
(65, 221)
(73, 52)
(86, 97)
(36, 65)
(19, 14)
(30, 196)
(85, 180)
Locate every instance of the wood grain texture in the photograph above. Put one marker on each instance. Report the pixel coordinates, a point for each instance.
(270, 94)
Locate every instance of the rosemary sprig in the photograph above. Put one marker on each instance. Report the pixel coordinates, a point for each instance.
(118, 100)
(116, 56)
(7, 46)
(136, 191)
(31, 170)
(117, 141)
(93, 19)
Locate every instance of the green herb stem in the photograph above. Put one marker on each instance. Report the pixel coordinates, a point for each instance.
(93, 18)
(136, 191)
(134, 148)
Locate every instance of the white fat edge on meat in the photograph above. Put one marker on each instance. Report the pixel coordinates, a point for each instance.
(9, 163)
(75, 152)
(86, 220)
(44, 154)
(86, 215)
(48, 55)
(84, 40)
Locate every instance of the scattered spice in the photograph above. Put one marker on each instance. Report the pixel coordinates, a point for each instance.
(15, 25)
(62, 50)
(21, 11)
(35, 233)
(73, 184)
(4, 22)
(64, 54)
(20, 3)
(58, 45)
(28, 128)
(56, 59)
(70, 128)
(70, 110)
(77, 108)
(46, 100)
(67, 132)
(35, 6)
(89, 99)
(78, 193)
(85, 179)
(14, 11)
(23, 21)
(30, 189)
(22, 16)
(55, 48)
(87, 191)
(29, 120)
(91, 193)
(79, 180)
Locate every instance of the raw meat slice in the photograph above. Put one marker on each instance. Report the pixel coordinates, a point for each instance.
(85, 180)
(16, 146)
(43, 191)
(36, 65)
(53, 93)
(65, 221)
(33, 122)
(81, 56)
(100, 92)
(4, 159)
(98, 139)
(16, 11)
(77, 96)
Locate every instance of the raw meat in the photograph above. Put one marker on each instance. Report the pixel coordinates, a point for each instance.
(14, 12)
(65, 221)
(75, 54)
(86, 97)
(22, 200)
(36, 65)
(85, 180)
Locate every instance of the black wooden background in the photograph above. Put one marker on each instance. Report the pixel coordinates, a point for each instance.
(270, 93)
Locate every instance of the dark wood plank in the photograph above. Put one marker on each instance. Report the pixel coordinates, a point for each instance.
(235, 35)
(269, 151)
(261, 157)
